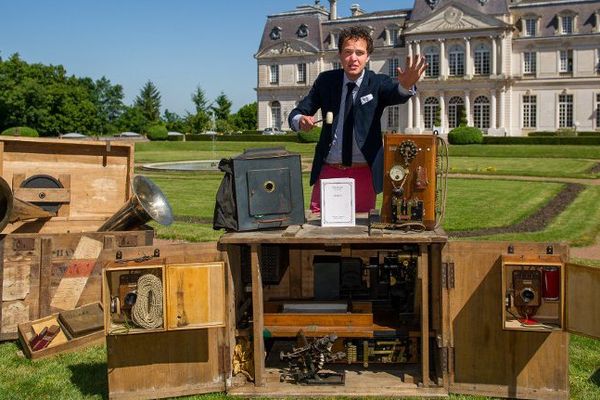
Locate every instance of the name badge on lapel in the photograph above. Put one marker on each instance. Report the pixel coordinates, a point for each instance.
(366, 99)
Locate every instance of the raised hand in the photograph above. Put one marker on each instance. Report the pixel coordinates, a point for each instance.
(415, 67)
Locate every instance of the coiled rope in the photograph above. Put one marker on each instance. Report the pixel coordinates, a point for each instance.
(147, 312)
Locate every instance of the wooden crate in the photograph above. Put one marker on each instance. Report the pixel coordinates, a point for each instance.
(184, 360)
(95, 177)
(43, 274)
(62, 343)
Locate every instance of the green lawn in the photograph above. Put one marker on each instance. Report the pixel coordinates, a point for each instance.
(471, 204)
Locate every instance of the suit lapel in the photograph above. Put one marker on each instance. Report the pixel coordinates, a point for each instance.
(336, 93)
(365, 88)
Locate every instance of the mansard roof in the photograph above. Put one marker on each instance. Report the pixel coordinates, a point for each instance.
(548, 10)
(424, 8)
(455, 16)
(290, 27)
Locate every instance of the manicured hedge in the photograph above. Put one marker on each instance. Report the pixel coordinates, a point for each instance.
(564, 133)
(157, 132)
(594, 133)
(465, 135)
(21, 131)
(581, 140)
(311, 136)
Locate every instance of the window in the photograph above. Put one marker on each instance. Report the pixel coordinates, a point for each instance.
(393, 67)
(336, 65)
(529, 26)
(481, 112)
(456, 61)
(565, 110)
(529, 111)
(566, 61)
(566, 24)
(393, 36)
(482, 60)
(276, 114)
(431, 112)
(529, 62)
(456, 107)
(393, 118)
(432, 54)
(598, 111)
(301, 73)
(274, 74)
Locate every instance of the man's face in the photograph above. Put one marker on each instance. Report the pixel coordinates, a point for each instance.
(354, 57)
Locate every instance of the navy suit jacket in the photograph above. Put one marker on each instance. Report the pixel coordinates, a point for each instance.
(326, 95)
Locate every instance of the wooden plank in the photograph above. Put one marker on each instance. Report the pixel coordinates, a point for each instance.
(510, 361)
(181, 362)
(583, 300)
(258, 318)
(295, 273)
(423, 268)
(44, 195)
(45, 276)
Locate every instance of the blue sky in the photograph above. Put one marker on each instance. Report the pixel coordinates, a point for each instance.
(178, 44)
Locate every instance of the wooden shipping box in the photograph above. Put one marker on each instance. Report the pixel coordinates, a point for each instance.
(177, 360)
(62, 343)
(41, 274)
(95, 178)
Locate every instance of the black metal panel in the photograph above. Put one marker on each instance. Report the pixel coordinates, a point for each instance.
(268, 189)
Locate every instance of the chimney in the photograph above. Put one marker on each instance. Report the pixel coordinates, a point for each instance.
(332, 9)
(356, 10)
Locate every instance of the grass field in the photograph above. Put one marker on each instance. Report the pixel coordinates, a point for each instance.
(471, 204)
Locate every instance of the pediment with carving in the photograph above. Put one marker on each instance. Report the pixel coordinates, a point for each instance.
(453, 18)
(286, 49)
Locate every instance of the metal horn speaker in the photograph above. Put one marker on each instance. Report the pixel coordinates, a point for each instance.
(13, 209)
(146, 203)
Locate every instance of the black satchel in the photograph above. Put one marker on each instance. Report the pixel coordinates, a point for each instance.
(225, 216)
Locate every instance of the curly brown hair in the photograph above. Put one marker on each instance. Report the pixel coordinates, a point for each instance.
(355, 33)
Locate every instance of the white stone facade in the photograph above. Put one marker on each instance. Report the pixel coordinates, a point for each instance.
(514, 68)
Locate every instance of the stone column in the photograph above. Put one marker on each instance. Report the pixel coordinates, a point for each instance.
(468, 107)
(443, 59)
(468, 58)
(493, 109)
(597, 14)
(494, 56)
(501, 122)
(442, 110)
(409, 115)
(417, 121)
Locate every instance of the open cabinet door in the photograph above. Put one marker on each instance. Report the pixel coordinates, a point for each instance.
(484, 358)
(583, 300)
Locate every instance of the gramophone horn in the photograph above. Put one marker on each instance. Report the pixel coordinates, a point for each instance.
(13, 210)
(146, 203)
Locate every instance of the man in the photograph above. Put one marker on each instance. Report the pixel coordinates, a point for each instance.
(357, 98)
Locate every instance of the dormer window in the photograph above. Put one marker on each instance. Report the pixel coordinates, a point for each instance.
(302, 31)
(275, 33)
(333, 40)
(529, 26)
(392, 34)
(567, 23)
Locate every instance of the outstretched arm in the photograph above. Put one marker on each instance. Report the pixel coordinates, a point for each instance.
(415, 67)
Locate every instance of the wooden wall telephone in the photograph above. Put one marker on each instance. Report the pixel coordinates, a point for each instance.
(414, 182)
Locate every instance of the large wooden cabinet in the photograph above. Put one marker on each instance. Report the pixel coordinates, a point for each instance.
(456, 318)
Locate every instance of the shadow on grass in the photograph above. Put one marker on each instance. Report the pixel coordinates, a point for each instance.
(595, 378)
(90, 378)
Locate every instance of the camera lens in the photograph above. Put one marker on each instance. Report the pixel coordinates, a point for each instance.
(130, 298)
(527, 295)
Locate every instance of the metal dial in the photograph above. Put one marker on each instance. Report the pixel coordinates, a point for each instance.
(408, 150)
(397, 173)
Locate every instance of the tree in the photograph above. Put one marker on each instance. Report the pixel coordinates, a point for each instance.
(200, 121)
(132, 119)
(246, 118)
(109, 103)
(222, 109)
(149, 102)
(174, 122)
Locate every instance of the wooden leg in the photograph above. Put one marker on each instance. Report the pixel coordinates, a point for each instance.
(424, 276)
(45, 277)
(258, 318)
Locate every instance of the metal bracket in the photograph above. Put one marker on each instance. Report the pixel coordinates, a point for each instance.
(119, 255)
(448, 275)
(156, 252)
(511, 249)
(550, 249)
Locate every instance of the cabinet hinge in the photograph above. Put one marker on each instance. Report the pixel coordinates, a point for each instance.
(448, 275)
